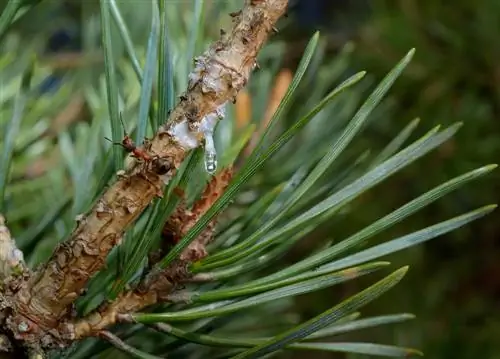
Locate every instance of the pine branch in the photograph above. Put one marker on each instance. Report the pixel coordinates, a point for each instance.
(45, 299)
(160, 286)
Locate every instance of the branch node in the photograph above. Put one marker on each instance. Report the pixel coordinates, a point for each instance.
(180, 297)
(126, 318)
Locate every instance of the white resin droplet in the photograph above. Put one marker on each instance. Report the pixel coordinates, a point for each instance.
(207, 128)
(210, 154)
(181, 133)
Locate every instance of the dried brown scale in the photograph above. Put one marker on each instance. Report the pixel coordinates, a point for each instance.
(45, 299)
(183, 219)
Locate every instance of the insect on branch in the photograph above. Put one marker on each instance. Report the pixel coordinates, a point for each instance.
(129, 145)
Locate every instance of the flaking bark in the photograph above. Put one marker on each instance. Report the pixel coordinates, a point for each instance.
(158, 286)
(45, 299)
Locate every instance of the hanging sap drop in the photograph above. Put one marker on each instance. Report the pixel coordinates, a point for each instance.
(207, 127)
(210, 154)
(210, 162)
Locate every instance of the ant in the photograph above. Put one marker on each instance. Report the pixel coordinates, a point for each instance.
(129, 145)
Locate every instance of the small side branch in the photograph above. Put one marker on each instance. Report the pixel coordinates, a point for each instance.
(11, 258)
(158, 286)
(183, 218)
(126, 348)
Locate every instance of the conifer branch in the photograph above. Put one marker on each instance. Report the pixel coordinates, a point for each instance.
(46, 298)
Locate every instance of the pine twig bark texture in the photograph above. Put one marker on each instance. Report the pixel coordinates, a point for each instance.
(159, 286)
(37, 311)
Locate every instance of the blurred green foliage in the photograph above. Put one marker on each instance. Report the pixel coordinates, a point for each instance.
(455, 76)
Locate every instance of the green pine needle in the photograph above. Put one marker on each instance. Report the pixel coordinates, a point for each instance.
(326, 318)
(8, 15)
(111, 84)
(12, 129)
(150, 71)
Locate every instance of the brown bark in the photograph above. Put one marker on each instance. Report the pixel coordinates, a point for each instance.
(158, 286)
(11, 258)
(45, 299)
(183, 219)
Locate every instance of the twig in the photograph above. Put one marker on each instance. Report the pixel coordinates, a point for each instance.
(126, 348)
(183, 219)
(11, 258)
(157, 286)
(200, 278)
(45, 299)
(161, 327)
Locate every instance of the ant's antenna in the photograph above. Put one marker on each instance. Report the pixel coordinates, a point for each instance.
(120, 116)
(124, 132)
(123, 124)
(114, 143)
